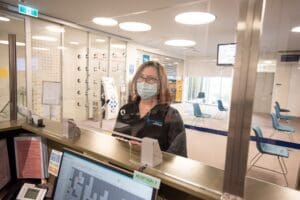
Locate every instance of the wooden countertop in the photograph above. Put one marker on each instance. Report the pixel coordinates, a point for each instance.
(184, 174)
(10, 125)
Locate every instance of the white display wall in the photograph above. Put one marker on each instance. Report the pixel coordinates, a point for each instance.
(46, 66)
(78, 60)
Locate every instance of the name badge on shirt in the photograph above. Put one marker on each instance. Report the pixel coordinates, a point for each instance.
(154, 122)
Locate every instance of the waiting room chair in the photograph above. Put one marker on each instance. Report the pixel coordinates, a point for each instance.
(280, 116)
(278, 127)
(281, 109)
(269, 149)
(198, 113)
(221, 109)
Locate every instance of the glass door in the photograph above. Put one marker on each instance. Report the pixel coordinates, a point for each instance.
(11, 25)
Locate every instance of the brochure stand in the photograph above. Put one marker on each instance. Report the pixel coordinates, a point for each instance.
(51, 95)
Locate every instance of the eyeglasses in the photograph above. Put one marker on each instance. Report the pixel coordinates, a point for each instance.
(147, 79)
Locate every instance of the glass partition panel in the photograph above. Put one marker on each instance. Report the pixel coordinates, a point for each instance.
(117, 68)
(199, 75)
(11, 25)
(46, 69)
(75, 81)
(99, 59)
(276, 111)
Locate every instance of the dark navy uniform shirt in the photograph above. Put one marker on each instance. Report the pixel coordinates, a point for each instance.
(162, 122)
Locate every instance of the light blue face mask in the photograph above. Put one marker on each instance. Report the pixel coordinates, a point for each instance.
(145, 90)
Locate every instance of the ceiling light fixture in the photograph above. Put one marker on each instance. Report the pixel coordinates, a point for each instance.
(100, 40)
(180, 43)
(74, 43)
(268, 62)
(296, 29)
(44, 38)
(4, 19)
(40, 48)
(17, 43)
(105, 21)
(61, 47)
(195, 18)
(55, 29)
(135, 26)
(21, 44)
(118, 46)
(3, 42)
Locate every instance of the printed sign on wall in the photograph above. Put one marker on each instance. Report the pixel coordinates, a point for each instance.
(146, 58)
(110, 91)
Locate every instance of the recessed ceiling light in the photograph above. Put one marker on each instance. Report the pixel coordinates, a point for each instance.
(296, 29)
(17, 43)
(21, 44)
(118, 46)
(180, 43)
(195, 18)
(268, 61)
(40, 48)
(44, 38)
(167, 58)
(105, 21)
(175, 63)
(61, 47)
(4, 19)
(3, 42)
(135, 26)
(74, 43)
(100, 40)
(55, 29)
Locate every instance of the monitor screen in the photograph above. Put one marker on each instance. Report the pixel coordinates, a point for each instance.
(226, 54)
(81, 178)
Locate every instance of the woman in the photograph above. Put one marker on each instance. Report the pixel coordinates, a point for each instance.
(149, 113)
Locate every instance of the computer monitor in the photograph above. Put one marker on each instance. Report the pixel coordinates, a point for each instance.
(226, 54)
(81, 178)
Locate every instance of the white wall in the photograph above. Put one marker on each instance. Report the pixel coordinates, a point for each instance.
(196, 66)
(286, 87)
(132, 56)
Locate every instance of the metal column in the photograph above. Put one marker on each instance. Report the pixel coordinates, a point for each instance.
(248, 35)
(28, 63)
(12, 76)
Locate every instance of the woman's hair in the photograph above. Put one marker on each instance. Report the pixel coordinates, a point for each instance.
(163, 95)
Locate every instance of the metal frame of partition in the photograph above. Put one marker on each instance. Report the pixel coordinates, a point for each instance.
(12, 47)
(244, 80)
(248, 33)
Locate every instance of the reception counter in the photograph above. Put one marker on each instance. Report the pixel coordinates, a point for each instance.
(194, 178)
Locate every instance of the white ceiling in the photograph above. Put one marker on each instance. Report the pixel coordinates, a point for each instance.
(280, 16)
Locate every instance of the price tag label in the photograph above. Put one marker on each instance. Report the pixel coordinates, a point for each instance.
(146, 179)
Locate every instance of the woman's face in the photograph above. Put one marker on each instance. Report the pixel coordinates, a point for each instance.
(147, 83)
(150, 75)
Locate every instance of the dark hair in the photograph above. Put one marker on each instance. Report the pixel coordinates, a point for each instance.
(163, 90)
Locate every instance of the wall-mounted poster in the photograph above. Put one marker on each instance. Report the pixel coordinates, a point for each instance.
(178, 91)
(146, 58)
(111, 94)
(51, 93)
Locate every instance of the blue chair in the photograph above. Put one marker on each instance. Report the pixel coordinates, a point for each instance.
(198, 113)
(269, 149)
(280, 116)
(281, 109)
(221, 109)
(278, 127)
